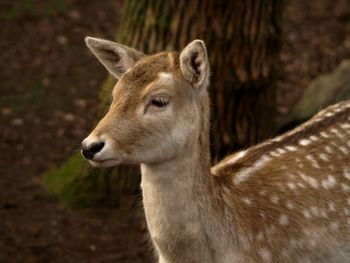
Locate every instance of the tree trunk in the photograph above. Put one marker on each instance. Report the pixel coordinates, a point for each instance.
(243, 41)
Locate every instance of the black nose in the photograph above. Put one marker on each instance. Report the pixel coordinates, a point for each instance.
(89, 151)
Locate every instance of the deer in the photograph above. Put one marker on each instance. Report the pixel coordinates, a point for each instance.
(286, 199)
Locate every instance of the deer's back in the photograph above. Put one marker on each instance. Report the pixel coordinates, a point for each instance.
(288, 199)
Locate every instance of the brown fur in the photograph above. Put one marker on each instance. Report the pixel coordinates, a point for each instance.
(269, 183)
(285, 200)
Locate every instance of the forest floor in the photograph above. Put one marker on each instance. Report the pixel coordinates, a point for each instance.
(48, 103)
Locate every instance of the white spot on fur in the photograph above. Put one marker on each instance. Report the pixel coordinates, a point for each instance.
(313, 161)
(280, 150)
(275, 153)
(307, 214)
(312, 181)
(244, 242)
(323, 213)
(343, 150)
(313, 138)
(345, 126)
(289, 205)
(265, 254)
(247, 201)
(334, 226)
(291, 148)
(315, 211)
(291, 186)
(324, 134)
(329, 183)
(246, 173)
(331, 206)
(283, 220)
(347, 173)
(262, 192)
(275, 199)
(312, 242)
(304, 142)
(328, 149)
(345, 187)
(324, 157)
(334, 130)
(337, 133)
(348, 200)
(300, 185)
(260, 236)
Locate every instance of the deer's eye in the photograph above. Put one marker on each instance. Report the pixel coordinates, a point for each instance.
(159, 102)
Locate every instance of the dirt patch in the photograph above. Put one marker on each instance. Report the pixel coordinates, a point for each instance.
(49, 96)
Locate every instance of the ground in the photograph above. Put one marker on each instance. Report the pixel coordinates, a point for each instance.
(49, 101)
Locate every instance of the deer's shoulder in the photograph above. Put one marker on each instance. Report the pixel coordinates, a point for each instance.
(322, 141)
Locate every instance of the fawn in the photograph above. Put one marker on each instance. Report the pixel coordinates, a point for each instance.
(284, 200)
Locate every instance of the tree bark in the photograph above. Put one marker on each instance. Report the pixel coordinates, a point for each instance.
(243, 42)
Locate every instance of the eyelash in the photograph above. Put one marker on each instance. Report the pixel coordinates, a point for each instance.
(159, 102)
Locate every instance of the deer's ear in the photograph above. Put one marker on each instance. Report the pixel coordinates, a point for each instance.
(194, 63)
(116, 58)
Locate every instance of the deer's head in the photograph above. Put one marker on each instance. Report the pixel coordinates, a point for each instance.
(155, 112)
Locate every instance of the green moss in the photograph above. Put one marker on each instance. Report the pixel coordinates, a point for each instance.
(74, 186)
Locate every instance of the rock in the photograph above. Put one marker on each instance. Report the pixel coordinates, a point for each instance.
(69, 117)
(46, 82)
(80, 103)
(6, 111)
(60, 132)
(17, 122)
(92, 247)
(325, 90)
(63, 40)
(74, 14)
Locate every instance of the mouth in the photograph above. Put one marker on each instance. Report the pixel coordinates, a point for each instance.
(104, 163)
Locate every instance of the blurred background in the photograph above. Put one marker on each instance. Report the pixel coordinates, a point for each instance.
(274, 64)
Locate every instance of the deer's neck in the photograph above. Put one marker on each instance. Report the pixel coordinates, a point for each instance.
(175, 199)
(178, 200)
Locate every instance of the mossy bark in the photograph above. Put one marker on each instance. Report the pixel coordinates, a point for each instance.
(243, 42)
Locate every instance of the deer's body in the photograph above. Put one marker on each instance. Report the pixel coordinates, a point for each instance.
(289, 198)
(285, 200)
